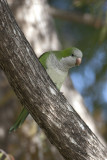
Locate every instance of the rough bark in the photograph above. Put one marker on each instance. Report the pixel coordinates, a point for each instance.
(77, 101)
(38, 94)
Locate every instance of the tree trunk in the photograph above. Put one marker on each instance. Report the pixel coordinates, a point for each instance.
(38, 94)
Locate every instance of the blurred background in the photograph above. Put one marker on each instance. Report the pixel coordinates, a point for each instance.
(52, 25)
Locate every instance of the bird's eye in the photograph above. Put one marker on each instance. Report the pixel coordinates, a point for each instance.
(72, 55)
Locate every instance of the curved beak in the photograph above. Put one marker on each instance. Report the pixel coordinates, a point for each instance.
(78, 61)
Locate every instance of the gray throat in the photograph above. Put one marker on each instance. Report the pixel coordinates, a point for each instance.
(57, 70)
(63, 65)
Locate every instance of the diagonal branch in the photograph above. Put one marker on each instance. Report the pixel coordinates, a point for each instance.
(62, 125)
(86, 18)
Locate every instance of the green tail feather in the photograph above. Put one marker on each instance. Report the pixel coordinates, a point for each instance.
(21, 118)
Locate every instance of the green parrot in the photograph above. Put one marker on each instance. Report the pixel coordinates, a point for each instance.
(57, 65)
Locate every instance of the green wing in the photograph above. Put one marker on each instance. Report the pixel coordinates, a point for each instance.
(21, 118)
(43, 58)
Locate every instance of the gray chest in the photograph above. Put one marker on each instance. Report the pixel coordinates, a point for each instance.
(53, 69)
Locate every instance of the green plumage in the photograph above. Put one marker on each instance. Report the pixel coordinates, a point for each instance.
(57, 64)
(24, 113)
(59, 54)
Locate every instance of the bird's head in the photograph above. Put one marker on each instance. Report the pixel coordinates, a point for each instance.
(73, 57)
(76, 56)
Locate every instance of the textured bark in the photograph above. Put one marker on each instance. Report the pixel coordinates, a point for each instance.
(38, 94)
(77, 101)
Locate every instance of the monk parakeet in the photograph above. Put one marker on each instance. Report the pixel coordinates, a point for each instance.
(57, 65)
